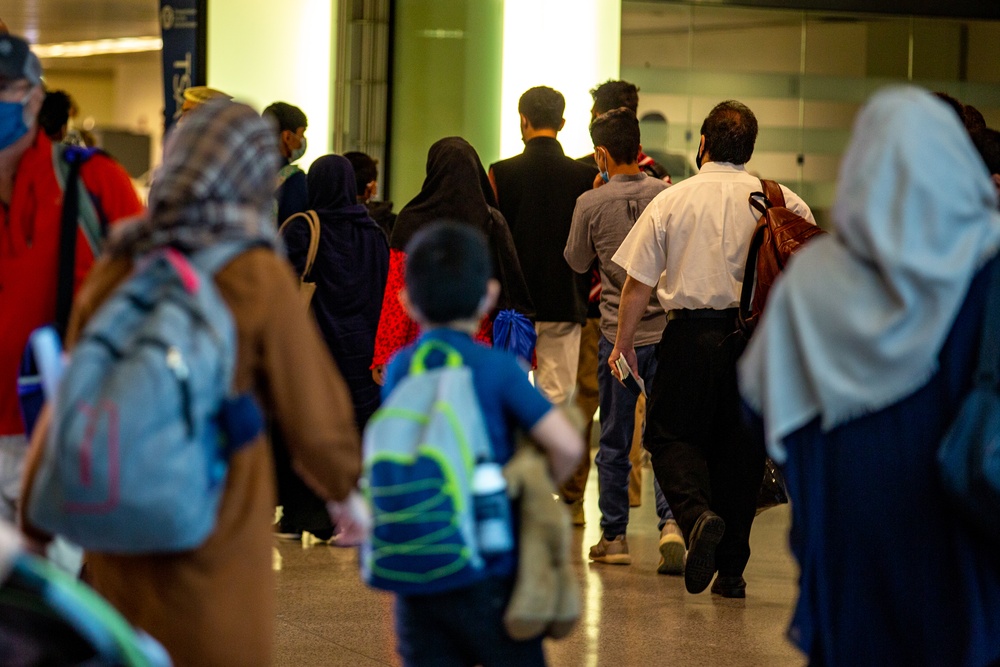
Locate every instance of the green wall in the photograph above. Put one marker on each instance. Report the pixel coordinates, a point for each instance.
(446, 82)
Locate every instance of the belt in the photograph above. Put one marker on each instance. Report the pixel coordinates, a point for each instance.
(702, 314)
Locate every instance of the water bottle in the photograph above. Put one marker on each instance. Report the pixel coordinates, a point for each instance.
(492, 507)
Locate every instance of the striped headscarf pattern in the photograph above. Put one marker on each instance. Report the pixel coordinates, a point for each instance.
(216, 184)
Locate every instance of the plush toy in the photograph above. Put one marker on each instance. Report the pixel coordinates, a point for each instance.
(546, 598)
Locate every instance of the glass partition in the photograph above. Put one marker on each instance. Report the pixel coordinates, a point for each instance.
(805, 74)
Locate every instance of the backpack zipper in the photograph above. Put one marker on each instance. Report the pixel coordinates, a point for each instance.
(177, 365)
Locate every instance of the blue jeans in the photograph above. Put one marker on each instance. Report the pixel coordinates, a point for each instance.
(617, 426)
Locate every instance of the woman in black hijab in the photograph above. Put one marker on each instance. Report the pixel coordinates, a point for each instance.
(456, 189)
(350, 273)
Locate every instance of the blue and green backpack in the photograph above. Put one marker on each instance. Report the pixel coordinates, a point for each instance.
(420, 454)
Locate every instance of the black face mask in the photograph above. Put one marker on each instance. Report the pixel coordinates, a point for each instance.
(697, 158)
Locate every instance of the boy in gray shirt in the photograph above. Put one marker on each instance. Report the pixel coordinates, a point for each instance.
(602, 219)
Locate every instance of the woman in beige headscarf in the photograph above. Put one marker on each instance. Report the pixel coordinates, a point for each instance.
(215, 605)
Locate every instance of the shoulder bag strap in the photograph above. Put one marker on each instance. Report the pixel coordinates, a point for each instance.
(312, 218)
(750, 271)
(67, 161)
(67, 242)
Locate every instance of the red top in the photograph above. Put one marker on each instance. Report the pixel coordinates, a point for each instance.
(395, 328)
(29, 250)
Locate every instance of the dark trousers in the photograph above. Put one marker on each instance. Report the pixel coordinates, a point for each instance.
(462, 628)
(703, 456)
(301, 508)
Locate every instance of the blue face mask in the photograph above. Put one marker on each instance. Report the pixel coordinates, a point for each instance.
(298, 152)
(12, 125)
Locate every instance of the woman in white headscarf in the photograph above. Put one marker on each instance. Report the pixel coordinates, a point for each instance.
(866, 350)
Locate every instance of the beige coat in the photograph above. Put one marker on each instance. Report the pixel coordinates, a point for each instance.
(215, 605)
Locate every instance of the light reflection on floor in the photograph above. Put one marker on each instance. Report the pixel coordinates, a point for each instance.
(631, 615)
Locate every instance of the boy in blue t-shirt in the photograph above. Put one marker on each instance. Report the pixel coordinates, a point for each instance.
(448, 290)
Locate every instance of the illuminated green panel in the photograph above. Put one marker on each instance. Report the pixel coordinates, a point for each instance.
(446, 82)
(262, 51)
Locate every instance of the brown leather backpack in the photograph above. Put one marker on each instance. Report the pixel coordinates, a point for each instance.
(779, 234)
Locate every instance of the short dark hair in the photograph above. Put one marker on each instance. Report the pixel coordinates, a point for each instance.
(365, 169)
(987, 142)
(955, 105)
(287, 116)
(613, 94)
(618, 131)
(447, 269)
(54, 114)
(543, 107)
(973, 119)
(730, 132)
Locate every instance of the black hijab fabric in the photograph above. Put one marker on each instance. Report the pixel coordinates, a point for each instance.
(457, 189)
(352, 264)
(332, 190)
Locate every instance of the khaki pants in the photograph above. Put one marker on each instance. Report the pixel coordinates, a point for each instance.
(557, 351)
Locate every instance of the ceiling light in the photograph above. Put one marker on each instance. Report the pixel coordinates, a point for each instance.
(100, 47)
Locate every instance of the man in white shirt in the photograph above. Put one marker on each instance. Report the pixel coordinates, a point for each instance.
(690, 244)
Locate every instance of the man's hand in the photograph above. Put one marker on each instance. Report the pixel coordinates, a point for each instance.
(378, 374)
(630, 359)
(635, 297)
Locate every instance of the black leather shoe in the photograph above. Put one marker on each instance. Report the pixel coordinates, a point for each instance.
(729, 587)
(699, 568)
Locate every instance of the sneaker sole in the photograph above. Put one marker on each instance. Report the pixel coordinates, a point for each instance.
(621, 559)
(699, 569)
(671, 556)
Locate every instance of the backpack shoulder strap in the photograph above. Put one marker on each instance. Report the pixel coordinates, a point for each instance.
(67, 162)
(750, 271)
(418, 363)
(312, 218)
(772, 191)
(213, 259)
(78, 211)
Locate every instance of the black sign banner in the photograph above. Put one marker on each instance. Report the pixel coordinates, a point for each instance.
(183, 27)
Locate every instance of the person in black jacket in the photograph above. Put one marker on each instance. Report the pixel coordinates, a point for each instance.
(350, 272)
(536, 192)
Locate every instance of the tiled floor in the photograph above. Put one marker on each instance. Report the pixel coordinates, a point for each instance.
(632, 616)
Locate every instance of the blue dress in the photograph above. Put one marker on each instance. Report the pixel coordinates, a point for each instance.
(889, 573)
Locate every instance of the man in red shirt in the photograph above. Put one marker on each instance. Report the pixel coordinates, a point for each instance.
(30, 212)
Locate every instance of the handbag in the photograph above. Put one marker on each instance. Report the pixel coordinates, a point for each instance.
(969, 455)
(307, 287)
(514, 332)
